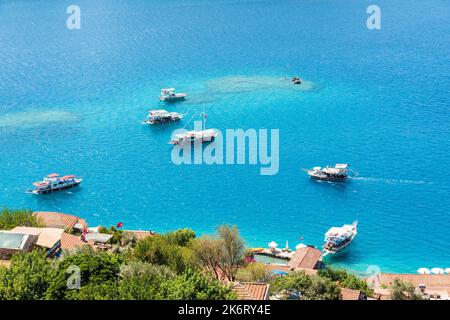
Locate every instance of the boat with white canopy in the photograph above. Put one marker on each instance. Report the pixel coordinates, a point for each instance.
(337, 239)
(337, 173)
(54, 182)
(195, 136)
(162, 116)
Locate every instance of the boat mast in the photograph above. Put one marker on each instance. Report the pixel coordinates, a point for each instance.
(204, 116)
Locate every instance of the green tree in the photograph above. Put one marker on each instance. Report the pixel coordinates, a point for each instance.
(9, 219)
(346, 279)
(207, 254)
(142, 281)
(253, 272)
(221, 255)
(193, 285)
(180, 237)
(233, 249)
(27, 278)
(96, 268)
(94, 291)
(158, 250)
(299, 285)
(400, 290)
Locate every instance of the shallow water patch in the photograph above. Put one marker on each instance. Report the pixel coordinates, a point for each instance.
(244, 84)
(34, 118)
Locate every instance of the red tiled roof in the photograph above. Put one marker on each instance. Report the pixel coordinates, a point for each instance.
(286, 268)
(305, 258)
(140, 234)
(350, 294)
(70, 241)
(432, 282)
(56, 219)
(251, 291)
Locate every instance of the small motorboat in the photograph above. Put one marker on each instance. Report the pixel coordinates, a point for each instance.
(169, 95)
(54, 182)
(296, 80)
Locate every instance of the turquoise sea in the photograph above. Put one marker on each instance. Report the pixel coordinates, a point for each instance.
(72, 101)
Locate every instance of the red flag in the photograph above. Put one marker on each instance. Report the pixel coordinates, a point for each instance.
(120, 225)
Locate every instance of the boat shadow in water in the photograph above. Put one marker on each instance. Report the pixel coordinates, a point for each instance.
(58, 196)
(349, 255)
(338, 257)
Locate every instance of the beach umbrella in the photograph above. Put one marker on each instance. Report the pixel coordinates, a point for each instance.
(424, 271)
(299, 246)
(447, 270)
(437, 270)
(273, 245)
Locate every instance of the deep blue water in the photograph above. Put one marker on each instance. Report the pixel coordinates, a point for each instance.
(73, 102)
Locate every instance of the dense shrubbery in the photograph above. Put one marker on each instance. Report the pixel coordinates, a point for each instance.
(346, 280)
(158, 267)
(400, 290)
(28, 277)
(175, 265)
(9, 219)
(253, 272)
(298, 285)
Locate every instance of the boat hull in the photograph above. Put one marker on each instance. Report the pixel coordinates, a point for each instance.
(340, 249)
(161, 121)
(204, 140)
(172, 99)
(327, 178)
(47, 191)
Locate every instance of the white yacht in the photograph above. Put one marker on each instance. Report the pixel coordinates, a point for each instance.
(195, 136)
(54, 182)
(204, 135)
(162, 116)
(338, 173)
(169, 95)
(337, 239)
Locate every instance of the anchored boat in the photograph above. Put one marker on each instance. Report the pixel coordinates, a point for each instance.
(162, 116)
(54, 182)
(337, 239)
(338, 173)
(296, 80)
(169, 95)
(204, 135)
(194, 136)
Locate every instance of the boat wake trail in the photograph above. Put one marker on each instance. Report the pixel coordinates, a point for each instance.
(391, 181)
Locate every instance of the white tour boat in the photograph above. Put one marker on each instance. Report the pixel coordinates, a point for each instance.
(162, 116)
(195, 136)
(338, 173)
(337, 239)
(54, 182)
